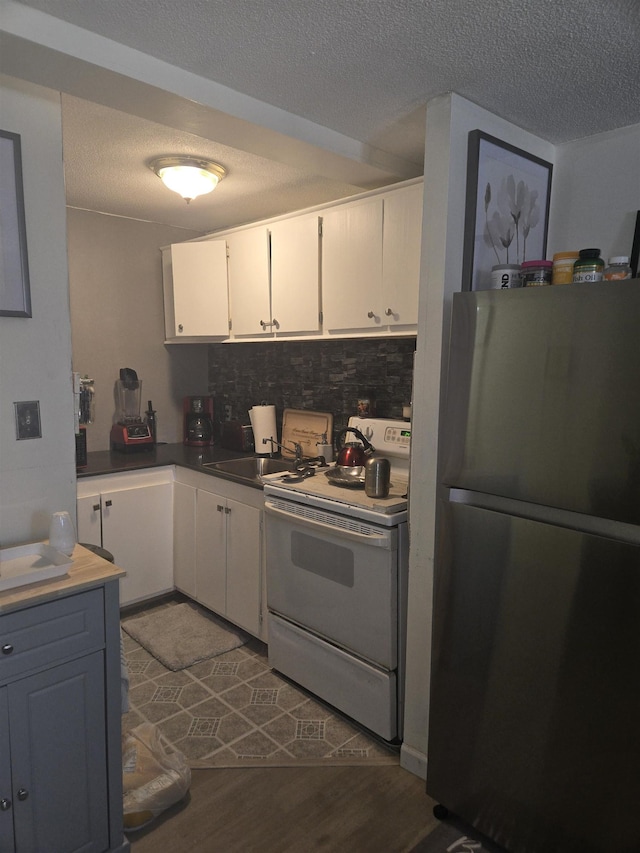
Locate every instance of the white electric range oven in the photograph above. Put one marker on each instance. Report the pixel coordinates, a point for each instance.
(337, 565)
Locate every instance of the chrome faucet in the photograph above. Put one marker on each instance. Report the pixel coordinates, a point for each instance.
(297, 448)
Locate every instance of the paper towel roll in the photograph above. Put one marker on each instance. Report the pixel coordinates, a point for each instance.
(263, 423)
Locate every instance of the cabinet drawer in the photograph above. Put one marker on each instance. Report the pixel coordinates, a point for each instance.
(45, 633)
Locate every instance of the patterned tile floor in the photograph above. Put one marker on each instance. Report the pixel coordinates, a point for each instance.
(233, 710)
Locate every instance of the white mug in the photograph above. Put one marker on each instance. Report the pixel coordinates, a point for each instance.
(62, 533)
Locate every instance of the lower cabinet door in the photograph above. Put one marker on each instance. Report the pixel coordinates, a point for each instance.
(58, 759)
(211, 551)
(6, 790)
(137, 528)
(244, 566)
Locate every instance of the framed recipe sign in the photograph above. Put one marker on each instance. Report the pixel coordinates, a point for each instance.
(507, 208)
(15, 294)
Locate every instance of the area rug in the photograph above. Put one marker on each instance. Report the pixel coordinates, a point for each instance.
(452, 837)
(233, 710)
(183, 634)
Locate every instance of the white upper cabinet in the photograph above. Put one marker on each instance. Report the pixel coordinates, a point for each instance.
(352, 266)
(401, 240)
(196, 302)
(295, 274)
(249, 301)
(371, 262)
(347, 269)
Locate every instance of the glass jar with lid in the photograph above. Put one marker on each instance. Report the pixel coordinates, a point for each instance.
(536, 273)
(618, 268)
(563, 267)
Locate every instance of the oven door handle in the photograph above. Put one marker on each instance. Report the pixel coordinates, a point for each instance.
(387, 537)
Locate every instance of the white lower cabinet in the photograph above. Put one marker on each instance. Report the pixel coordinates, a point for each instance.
(131, 515)
(218, 547)
(181, 529)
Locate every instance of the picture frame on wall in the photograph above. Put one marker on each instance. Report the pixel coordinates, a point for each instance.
(15, 292)
(507, 208)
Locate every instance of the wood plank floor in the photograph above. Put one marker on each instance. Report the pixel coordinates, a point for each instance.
(294, 810)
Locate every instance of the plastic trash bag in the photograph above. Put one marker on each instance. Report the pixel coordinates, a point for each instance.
(155, 775)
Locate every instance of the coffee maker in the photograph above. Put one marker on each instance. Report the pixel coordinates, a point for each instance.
(198, 421)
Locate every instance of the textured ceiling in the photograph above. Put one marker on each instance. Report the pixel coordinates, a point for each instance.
(562, 69)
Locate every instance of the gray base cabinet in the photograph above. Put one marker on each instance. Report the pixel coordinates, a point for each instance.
(60, 753)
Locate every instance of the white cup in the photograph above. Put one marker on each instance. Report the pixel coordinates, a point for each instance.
(62, 533)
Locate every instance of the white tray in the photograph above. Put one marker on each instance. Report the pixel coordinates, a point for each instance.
(30, 563)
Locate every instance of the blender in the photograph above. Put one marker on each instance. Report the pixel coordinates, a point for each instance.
(130, 432)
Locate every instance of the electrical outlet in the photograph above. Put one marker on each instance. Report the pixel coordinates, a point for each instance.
(227, 412)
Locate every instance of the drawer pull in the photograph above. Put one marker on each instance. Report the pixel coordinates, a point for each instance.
(7, 649)
(5, 804)
(22, 794)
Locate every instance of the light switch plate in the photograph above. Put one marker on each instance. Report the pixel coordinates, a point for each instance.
(28, 420)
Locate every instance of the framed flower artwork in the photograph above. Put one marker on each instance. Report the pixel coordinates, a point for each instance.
(507, 208)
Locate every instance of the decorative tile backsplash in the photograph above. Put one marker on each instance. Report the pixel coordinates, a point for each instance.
(325, 376)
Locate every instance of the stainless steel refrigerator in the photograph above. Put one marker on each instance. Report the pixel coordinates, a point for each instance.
(534, 730)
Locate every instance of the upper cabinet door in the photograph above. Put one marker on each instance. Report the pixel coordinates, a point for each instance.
(200, 304)
(249, 302)
(295, 274)
(352, 266)
(402, 236)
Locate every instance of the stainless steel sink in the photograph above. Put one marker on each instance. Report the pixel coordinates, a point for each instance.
(251, 467)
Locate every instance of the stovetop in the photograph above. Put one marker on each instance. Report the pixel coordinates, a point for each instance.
(391, 439)
(319, 486)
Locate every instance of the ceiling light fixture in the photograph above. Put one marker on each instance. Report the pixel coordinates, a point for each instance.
(188, 176)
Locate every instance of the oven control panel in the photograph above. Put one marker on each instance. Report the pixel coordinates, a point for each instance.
(389, 437)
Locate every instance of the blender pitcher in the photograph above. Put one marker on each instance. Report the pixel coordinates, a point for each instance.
(130, 432)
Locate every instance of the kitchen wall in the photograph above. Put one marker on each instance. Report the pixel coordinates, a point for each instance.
(597, 192)
(326, 376)
(117, 319)
(37, 476)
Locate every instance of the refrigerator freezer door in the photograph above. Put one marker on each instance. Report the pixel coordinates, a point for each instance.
(536, 683)
(544, 399)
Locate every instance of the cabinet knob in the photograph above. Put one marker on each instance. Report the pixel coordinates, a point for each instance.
(96, 507)
(275, 323)
(108, 503)
(372, 315)
(389, 312)
(7, 649)
(22, 794)
(227, 510)
(220, 508)
(180, 327)
(5, 804)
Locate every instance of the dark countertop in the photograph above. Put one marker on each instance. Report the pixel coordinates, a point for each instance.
(116, 462)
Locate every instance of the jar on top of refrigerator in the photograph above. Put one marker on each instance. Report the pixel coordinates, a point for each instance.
(589, 267)
(563, 267)
(618, 268)
(536, 273)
